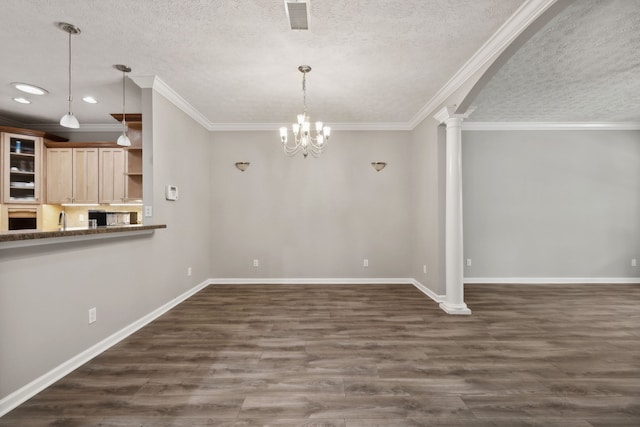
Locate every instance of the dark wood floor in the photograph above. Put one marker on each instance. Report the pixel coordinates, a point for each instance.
(377, 355)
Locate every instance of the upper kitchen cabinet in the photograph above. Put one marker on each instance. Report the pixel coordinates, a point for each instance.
(72, 175)
(21, 168)
(59, 175)
(112, 175)
(85, 175)
(133, 157)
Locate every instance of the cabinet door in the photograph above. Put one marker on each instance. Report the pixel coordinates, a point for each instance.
(85, 175)
(59, 175)
(21, 168)
(112, 175)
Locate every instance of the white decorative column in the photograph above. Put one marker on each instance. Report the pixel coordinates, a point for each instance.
(454, 269)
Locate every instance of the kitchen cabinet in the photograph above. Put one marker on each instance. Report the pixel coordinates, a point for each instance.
(59, 175)
(134, 174)
(112, 175)
(85, 175)
(133, 157)
(72, 175)
(21, 168)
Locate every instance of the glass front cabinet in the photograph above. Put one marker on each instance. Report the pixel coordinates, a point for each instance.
(21, 169)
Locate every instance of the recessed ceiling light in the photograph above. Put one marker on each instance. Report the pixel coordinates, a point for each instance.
(90, 100)
(33, 90)
(22, 100)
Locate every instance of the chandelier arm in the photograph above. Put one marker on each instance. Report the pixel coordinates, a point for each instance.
(291, 150)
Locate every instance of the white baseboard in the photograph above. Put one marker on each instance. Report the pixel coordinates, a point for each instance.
(311, 281)
(552, 280)
(428, 292)
(36, 386)
(26, 392)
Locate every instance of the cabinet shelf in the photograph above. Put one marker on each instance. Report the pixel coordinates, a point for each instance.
(29, 155)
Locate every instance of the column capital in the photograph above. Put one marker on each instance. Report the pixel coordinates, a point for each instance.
(449, 112)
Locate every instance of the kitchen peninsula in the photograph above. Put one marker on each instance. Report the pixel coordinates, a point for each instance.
(20, 238)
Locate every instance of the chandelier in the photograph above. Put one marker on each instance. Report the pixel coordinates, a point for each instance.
(303, 139)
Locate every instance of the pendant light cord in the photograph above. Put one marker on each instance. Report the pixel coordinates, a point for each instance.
(124, 123)
(70, 98)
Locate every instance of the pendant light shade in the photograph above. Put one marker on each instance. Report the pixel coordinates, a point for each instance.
(69, 120)
(123, 139)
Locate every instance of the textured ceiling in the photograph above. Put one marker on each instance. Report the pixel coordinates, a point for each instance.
(374, 61)
(235, 61)
(583, 66)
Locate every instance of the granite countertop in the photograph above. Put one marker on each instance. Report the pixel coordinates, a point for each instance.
(20, 235)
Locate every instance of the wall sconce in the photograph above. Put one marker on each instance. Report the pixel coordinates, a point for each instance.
(378, 166)
(242, 166)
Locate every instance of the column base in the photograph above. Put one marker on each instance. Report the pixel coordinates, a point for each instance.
(460, 309)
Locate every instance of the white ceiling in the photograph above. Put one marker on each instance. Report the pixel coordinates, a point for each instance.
(583, 66)
(235, 61)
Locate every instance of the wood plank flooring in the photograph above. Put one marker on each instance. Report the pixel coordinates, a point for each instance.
(365, 355)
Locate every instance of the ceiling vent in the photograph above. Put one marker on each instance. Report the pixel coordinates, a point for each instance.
(298, 14)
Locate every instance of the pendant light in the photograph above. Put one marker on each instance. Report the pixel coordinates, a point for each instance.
(69, 120)
(123, 139)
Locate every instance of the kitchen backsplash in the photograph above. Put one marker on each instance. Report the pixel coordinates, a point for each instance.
(77, 216)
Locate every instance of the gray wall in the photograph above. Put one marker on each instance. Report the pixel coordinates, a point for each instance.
(311, 218)
(427, 207)
(551, 203)
(46, 291)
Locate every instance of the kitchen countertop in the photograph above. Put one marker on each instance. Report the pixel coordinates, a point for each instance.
(18, 238)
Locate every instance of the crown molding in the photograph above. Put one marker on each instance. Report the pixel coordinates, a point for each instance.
(273, 127)
(488, 126)
(6, 121)
(83, 128)
(516, 24)
(56, 128)
(157, 84)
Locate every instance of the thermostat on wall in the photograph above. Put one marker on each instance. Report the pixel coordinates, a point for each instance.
(171, 192)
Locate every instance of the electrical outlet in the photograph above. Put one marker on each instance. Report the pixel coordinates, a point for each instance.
(81, 217)
(634, 262)
(468, 262)
(256, 263)
(93, 315)
(148, 211)
(365, 263)
(424, 269)
(189, 271)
